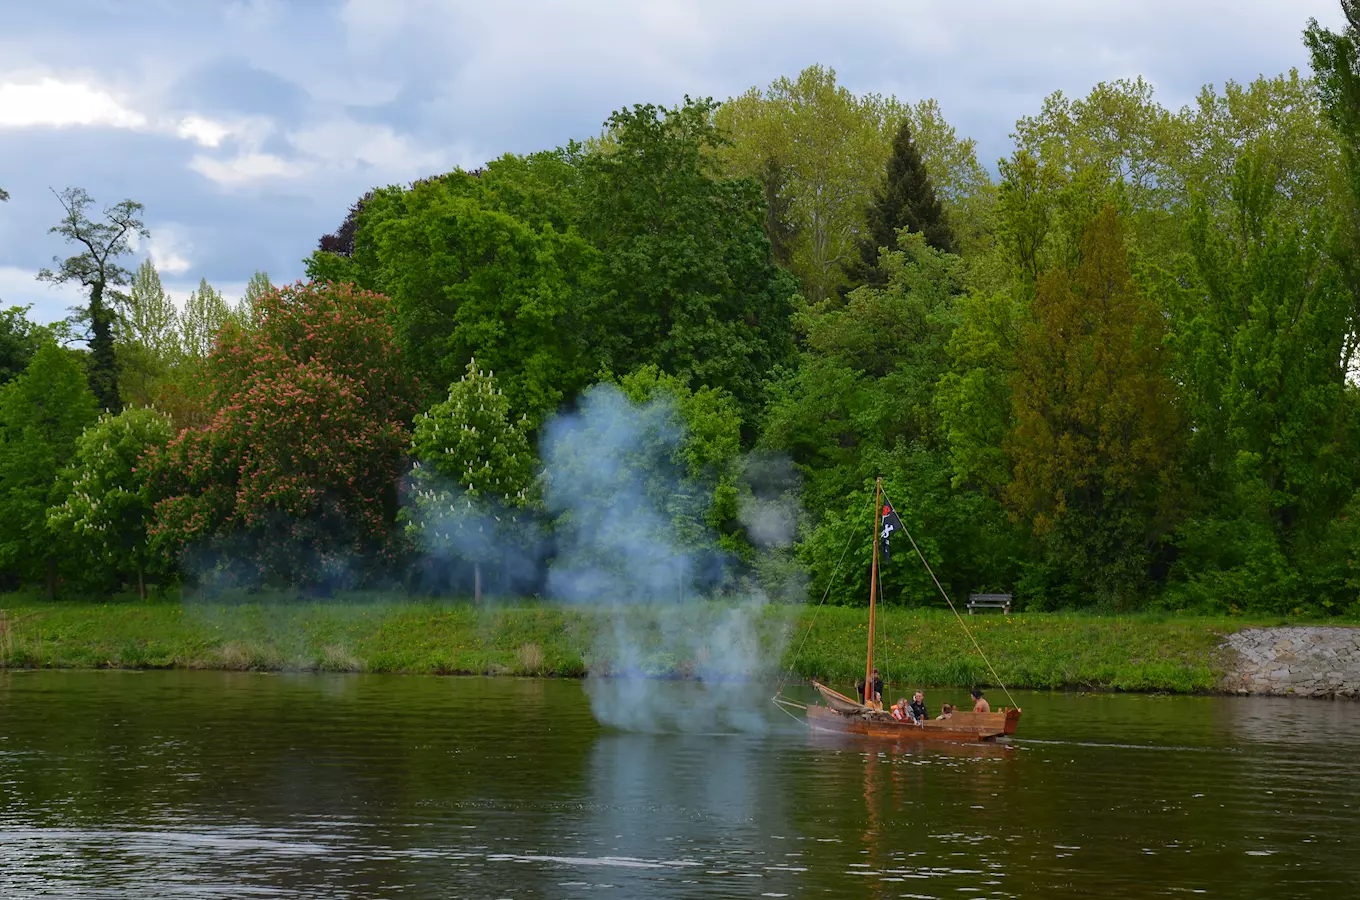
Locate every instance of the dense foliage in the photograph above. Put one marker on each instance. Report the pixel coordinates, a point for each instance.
(1119, 373)
(294, 477)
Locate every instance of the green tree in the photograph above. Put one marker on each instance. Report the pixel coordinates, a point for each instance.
(1261, 328)
(205, 312)
(1094, 448)
(820, 151)
(96, 269)
(469, 281)
(19, 338)
(109, 506)
(709, 452)
(42, 412)
(689, 282)
(473, 465)
(149, 345)
(829, 146)
(150, 319)
(906, 199)
(256, 288)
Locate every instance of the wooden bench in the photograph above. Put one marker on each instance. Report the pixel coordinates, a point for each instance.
(989, 601)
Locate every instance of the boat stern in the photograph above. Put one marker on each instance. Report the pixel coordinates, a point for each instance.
(1012, 720)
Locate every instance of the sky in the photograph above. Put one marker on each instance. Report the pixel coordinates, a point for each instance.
(248, 127)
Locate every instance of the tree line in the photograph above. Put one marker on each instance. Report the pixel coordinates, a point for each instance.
(1117, 375)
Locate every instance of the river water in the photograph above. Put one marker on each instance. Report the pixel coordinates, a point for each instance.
(199, 784)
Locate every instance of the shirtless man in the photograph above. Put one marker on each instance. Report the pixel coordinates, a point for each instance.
(980, 703)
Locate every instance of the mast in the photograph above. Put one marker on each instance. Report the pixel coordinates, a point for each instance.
(873, 587)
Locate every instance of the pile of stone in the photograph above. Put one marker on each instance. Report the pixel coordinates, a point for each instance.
(1302, 661)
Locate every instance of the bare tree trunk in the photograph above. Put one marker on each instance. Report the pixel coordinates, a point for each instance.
(51, 578)
(477, 581)
(141, 582)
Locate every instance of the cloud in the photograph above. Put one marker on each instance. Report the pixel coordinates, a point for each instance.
(204, 132)
(169, 250)
(245, 168)
(51, 102)
(345, 143)
(20, 287)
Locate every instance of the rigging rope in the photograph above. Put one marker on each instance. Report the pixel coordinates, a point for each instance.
(830, 581)
(976, 646)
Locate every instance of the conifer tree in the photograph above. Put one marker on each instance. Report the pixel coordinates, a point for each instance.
(1095, 443)
(472, 463)
(906, 199)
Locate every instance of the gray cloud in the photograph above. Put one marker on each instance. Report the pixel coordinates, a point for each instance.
(263, 119)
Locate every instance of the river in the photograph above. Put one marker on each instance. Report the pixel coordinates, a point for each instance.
(201, 784)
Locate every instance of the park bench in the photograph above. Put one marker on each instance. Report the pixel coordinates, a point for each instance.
(989, 601)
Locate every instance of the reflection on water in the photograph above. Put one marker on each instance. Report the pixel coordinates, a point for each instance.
(225, 785)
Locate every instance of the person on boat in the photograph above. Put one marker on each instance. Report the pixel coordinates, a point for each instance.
(878, 690)
(946, 711)
(980, 703)
(917, 708)
(899, 710)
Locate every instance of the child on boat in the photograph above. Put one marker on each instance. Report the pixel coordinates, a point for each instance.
(917, 708)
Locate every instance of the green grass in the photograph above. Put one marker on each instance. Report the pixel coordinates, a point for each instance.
(373, 633)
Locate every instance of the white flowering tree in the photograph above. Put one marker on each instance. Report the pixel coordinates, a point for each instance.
(109, 505)
(473, 467)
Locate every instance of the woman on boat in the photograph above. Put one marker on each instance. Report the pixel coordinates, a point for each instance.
(980, 703)
(946, 711)
(899, 710)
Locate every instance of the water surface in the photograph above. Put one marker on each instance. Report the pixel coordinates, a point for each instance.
(198, 785)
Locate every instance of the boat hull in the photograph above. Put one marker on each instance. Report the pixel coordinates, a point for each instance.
(961, 726)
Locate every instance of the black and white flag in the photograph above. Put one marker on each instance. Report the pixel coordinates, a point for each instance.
(890, 525)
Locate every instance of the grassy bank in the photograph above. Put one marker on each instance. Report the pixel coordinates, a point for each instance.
(374, 634)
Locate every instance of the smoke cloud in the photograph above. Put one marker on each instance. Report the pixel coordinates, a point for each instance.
(634, 539)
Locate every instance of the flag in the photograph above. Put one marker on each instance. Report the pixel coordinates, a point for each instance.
(890, 525)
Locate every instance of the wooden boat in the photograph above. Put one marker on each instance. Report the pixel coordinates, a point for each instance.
(844, 715)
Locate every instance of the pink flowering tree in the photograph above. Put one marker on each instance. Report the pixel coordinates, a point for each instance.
(294, 478)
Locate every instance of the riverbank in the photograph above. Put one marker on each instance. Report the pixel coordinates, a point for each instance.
(376, 634)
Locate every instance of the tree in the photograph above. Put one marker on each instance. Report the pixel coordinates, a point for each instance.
(819, 150)
(473, 465)
(109, 505)
(1094, 449)
(294, 478)
(19, 338)
(96, 269)
(1261, 329)
(256, 289)
(689, 283)
(828, 146)
(151, 320)
(205, 312)
(42, 413)
(639, 477)
(467, 280)
(906, 199)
